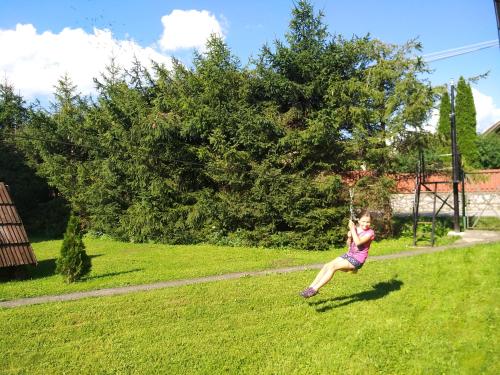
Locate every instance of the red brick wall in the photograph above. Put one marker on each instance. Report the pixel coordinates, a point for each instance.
(481, 181)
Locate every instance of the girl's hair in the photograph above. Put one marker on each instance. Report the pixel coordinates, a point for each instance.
(365, 213)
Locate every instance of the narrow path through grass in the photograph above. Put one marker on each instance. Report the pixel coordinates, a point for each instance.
(122, 265)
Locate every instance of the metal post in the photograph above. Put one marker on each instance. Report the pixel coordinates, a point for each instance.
(416, 202)
(455, 163)
(434, 214)
(465, 223)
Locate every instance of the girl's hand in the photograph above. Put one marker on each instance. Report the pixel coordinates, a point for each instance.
(352, 225)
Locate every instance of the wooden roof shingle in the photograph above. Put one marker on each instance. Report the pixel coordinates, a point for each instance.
(15, 248)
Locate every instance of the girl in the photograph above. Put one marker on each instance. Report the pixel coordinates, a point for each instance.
(359, 240)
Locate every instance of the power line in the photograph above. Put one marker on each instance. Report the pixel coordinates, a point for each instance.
(446, 54)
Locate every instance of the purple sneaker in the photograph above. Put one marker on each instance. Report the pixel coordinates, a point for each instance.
(309, 292)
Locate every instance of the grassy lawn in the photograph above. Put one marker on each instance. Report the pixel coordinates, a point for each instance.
(429, 314)
(486, 223)
(119, 264)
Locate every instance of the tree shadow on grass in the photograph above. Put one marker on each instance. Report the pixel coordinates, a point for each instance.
(44, 268)
(113, 274)
(379, 290)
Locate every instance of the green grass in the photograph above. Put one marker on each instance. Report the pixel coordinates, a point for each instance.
(119, 264)
(428, 314)
(486, 223)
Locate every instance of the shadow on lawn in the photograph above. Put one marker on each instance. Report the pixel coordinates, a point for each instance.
(113, 274)
(379, 290)
(47, 268)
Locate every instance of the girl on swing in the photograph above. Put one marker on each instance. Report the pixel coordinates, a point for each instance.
(359, 239)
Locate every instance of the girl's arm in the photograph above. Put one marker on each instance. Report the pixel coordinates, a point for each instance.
(349, 238)
(358, 240)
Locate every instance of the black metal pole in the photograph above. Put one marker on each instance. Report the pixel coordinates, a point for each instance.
(416, 202)
(465, 223)
(455, 163)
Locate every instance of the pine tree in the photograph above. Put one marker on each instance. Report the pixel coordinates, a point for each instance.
(217, 152)
(489, 151)
(27, 188)
(465, 114)
(74, 263)
(443, 128)
(13, 110)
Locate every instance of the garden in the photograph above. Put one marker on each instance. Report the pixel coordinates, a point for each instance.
(220, 168)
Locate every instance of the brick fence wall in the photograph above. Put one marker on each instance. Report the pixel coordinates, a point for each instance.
(482, 194)
(483, 204)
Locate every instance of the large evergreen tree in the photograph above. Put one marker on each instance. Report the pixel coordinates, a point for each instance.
(226, 154)
(444, 126)
(26, 187)
(344, 104)
(465, 114)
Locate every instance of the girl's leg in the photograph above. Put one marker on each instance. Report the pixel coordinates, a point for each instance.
(321, 274)
(329, 269)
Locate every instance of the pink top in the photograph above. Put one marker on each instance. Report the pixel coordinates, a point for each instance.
(360, 253)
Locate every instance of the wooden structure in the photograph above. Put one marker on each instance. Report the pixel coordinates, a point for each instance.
(15, 248)
(424, 181)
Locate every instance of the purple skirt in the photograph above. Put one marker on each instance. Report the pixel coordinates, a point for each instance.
(356, 263)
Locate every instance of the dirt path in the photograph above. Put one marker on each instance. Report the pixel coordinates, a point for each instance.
(469, 238)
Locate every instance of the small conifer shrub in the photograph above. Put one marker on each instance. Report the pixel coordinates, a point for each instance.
(73, 263)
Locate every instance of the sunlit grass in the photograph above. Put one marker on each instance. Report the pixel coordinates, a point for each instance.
(486, 223)
(119, 264)
(429, 314)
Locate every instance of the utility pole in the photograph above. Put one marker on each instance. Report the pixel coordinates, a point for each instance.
(455, 162)
(497, 12)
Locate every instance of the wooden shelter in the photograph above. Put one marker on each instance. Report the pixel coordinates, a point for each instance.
(15, 248)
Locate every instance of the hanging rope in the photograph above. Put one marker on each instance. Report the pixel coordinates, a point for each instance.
(351, 205)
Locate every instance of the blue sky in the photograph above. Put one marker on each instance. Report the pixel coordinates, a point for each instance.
(42, 40)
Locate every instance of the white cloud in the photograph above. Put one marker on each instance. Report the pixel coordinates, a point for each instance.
(189, 29)
(33, 62)
(431, 125)
(487, 113)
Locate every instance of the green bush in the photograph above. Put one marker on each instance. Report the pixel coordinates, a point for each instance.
(74, 263)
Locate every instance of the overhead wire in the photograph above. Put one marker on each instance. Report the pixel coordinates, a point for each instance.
(446, 54)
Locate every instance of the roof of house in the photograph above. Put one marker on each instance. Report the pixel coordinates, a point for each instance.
(495, 128)
(15, 248)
